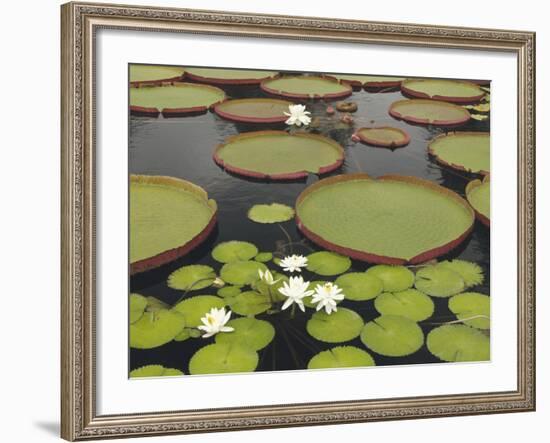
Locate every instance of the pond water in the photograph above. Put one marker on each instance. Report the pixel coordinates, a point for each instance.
(183, 147)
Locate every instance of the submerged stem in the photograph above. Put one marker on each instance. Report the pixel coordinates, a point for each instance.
(289, 238)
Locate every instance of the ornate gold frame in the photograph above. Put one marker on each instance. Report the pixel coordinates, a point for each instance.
(79, 23)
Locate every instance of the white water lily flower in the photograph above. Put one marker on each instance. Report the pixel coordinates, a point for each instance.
(215, 321)
(298, 115)
(267, 277)
(294, 291)
(293, 263)
(326, 297)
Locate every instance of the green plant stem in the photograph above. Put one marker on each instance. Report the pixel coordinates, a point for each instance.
(289, 238)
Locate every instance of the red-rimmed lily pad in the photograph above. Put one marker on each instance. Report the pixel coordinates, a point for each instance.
(382, 82)
(154, 74)
(216, 76)
(429, 112)
(175, 100)
(169, 217)
(392, 220)
(278, 155)
(453, 91)
(306, 87)
(478, 194)
(384, 137)
(463, 151)
(254, 110)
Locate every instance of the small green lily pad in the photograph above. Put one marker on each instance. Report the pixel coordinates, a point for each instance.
(273, 213)
(337, 327)
(229, 291)
(327, 263)
(359, 286)
(341, 357)
(250, 332)
(471, 273)
(185, 334)
(242, 273)
(439, 281)
(155, 329)
(456, 343)
(249, 303)
(472, 304)
(263, 257)
(191, 278)
(394, 278)
(195, 308)
(223, 358)
(138, 303)
(392, 336)
(154, 371)
(409, 303)
(231, 251)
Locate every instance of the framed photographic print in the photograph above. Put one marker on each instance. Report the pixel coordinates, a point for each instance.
(324, 221)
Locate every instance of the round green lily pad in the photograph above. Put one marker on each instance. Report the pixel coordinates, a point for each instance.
(471, 273)
(138, 303)
(278, 155)
(359, 286)
(178, 98)
(242, 273)
(156, 328)
(151, 74)
(249, 303)
(456, 343)
(168, 218)
(195, 308)
(429, 112)
(254, 110)
(327, 263)
(263, 257)
(478, 194)
(223, 358)
(229, 291)
(394, 278)
(234, 250)
(228, 76)
(447, 90)
(409, 303)
(472, 304)
(392, 336)
(391, 220)
(191, 278)
(273, 213)
(341, 357)
(250, 332)
(306, 87)
(438, 281)
(154, 304)
(154, 371)
(463, 151)
(336, 327)
(185, 334)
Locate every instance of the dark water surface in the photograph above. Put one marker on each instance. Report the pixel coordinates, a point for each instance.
(183, 147)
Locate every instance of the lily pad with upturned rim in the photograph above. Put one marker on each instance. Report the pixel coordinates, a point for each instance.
(169, 217)
(195, 308)
(154, 371)
(156, 328)
(234, 250)
(394, 278)
(471, 273)
(278, 155)
(473, 308)
(392, 219)
(429, 112)
(439, 281)
(478, 194)
(242, 273)
(222, 77)
(191, 277)
(306, 87)
(223, 358)
(382, 82)
(463, 151)
(327, 263)
(250, 332)
(341, 357)
(384, 137)
(154, 74)
(249, 303)
(409, 303)
(392, 336)
(359, 286)
(336, 327)
(272, 213)
(453, 91)
(254, 110)
(458, 343)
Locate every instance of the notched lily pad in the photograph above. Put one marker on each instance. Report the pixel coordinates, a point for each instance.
(242, 273)
(392, 336)
(249, 303)
(138, 303)
(384, 137)
(156, 328)
(457, 343)
(217, 76)
(409, 303)
(306, 87)
(234, 250)
(223, 358)
(394, 278)
(359, 286)
(254, 110)
(272, 213)
(439, 281)
(191, 278)
(327, 263)
(463, 151)
(154, 371)
(473, 308)
(341, 357)
(337, 327)
(263, 257)
(453, 91)
(429, 112)
(229, 291)
(151, 74)
(471, 273)
(250, 332)
(194, 308)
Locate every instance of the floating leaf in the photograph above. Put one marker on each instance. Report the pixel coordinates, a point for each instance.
(340, 326)
(409, 303)
(263, 257)
(359, 286)
(231, 251)
(249, 303)
(429, 112)
(250, 332)
(463, 151)
(385, 137)
(472, 304)
(480, 117)
(327, 263)
(392, 336)
(254, 110)
(154, 304)
(471, 273)
(273, 213)
(223, 358)
(191, 278)
(154, 371)
(155, 329)
(242, 273)
(305, 87)
(478, 194)
(458, 343)
(195, 308)
(185, 334)
(218, 76)
(138, 303)
(394, 278)
(438, 281)
(341, 357)
(229, 291)
(154, 74)
(454, 91)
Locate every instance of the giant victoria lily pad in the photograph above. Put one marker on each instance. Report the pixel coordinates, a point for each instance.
(384, 137)
(278, 155)
(478, 194)
(228, 76)
(178, 99)
(306, 87)
(168, 218)
(154, 75)
(368, 81)
(429, 112)
(392, 219)
(464, 151)
(254, 110)
(446, 90)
